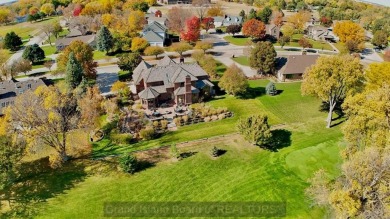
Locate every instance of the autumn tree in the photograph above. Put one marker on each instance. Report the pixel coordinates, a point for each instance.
(192, 31)
(105, 41)
(283, 40)
(207, 23)
(349, 31)
(129, 61)
(263, 58)
(203, 45)
(56, 29)
(177, 17)
(233, 81)
(352, 46)
(380, 39)
(158, 13)
(48, 64)
(200, 7)
(121, 88)
(84, 55)
(277, 18)
(215, 10)
(5, 15)
(207, 62)
(154, 51)
(22, 65)
(233, 29)
(136, 21)
(288, 30)
(255, 129)
(48, 8)
(73, 73)
(33, 53)
(331, 79)
(305, 43)
(181, 48)
(12, 41)
(58, 113)
(254, 29)
(139, 44)
(299, 20)
(326, 21)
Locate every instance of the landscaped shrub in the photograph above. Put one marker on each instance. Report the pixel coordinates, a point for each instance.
(164, 124)
(121, 138)
(221, 116)
(147, 133)
(185, 119)
(177, 121)
(214, 118)
(128, 163)
(207, 119)
(156, 124)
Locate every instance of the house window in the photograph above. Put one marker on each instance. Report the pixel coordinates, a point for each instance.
(20, 91)
(289, 76)
(2, 104)
(29, 86)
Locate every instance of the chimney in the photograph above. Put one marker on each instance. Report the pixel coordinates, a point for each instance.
(188, 98)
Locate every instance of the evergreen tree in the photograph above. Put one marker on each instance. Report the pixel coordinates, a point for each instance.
(105, 41)
(34, 53)
(74, 72)
(12, 41)
(263, 57)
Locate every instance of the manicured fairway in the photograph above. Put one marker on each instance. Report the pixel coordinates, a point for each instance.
(243, 173)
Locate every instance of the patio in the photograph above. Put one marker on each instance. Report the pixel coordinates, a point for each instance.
(168, 113)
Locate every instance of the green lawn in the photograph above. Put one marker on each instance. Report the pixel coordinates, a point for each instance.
(221, 68)
(237, 40)
(53, 39)
(49, 50)
(316, 44)
(243, 173)
(25, 29)
(243, 60)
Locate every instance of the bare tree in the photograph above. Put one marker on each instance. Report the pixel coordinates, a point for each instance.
(201, 7)
(177, 17)
(48, 64)
(22, 65)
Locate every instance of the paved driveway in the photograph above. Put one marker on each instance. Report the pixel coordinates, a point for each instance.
(106, 77)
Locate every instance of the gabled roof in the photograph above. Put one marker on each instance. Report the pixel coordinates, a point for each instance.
(152, 36)
(156, 27)
(160, 20)
(148, 93)
(165, 61)
(297, 64)
(74, 33)
(85, 39)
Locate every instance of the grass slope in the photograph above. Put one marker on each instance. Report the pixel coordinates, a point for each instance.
(244, 173)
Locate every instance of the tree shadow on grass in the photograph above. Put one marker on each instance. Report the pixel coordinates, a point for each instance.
(188, 154)
(144, 164)
(39, 182)
(281, 138)
(253, 92)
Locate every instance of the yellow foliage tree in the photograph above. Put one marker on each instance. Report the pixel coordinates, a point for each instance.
(136, 21)
(5, 14)
(349, 31)
(48, 8)
(299, 20)
(139, 44)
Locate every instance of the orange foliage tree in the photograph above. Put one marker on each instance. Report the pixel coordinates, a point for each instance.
(254, 28)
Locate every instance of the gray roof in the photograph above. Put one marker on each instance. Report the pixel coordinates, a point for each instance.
(9, 90)
(152, 36)
(160, 20)
(297, 64)
(165, 61)
(156, 27)
(229, 20)
(148, 93)
(74, 33)
(66, 41)
(218, 19)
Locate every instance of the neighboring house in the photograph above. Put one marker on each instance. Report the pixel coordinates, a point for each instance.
(295, 66)
(170, 83)
(155, 33)
(21, 19)
(160, 20)
(9, 90)
(320, 33)
(64, 42)
(272, 31)
(227, 20)
(171, 2)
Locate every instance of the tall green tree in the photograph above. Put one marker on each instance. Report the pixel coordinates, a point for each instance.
(265, 14)
(12, 41)
(34, 53)
(255, 129)
(105, 41)
(74, 72)
(331, 79)
(128, 62)
(263, 58)
(233, 81)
